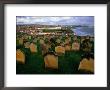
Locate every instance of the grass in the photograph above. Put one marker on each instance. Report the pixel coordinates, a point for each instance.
(67, 64)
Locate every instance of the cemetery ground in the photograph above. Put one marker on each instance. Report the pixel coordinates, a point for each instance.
(68, 63)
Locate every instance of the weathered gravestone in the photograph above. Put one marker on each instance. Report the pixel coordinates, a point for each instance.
(75, 46)
(51, 61)
(20, 56)
(33, 48)
(67, 48)
(60, 50)
(87, 65)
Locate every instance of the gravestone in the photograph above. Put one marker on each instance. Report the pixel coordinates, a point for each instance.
(75, 38)
(44, 48)
(86, 46)
(35, 40)
(20, 56)
(27, 44)
(60, 50)
(75, 46)
(58, 40)
(51, 61)
(41, 41)
(87, 65)
(67, 48)
(67, 41)
(21, 41)
(33, 48)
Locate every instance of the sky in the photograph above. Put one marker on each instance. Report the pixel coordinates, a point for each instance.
(56, 20)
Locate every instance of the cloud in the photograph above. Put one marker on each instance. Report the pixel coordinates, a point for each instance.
(67, 20)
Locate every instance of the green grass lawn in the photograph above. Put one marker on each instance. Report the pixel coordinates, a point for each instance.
(67, 64)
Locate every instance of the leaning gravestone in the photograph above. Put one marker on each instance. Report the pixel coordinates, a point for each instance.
(20, 56)
(33, 48)
(51, 61)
